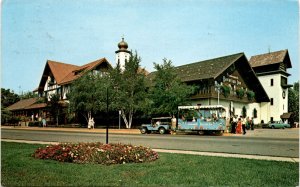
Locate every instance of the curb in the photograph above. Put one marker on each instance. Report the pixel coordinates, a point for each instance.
(226, 155)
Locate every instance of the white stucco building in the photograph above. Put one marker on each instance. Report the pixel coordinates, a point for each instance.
(271, 70)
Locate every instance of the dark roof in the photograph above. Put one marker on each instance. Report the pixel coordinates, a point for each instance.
(22, 104)
(213, 68)
(204, 69)
(286, 115)
(270, 58)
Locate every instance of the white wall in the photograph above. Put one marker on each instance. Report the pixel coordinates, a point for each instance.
(280, 105)
(122, 56)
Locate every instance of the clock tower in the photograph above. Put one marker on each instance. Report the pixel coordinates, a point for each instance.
(271, 70)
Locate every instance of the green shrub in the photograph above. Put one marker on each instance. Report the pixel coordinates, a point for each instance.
(98, 153)
(225, 90)
(240, 93)
(250, 95)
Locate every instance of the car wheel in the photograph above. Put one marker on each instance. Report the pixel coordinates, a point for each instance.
(162, 130)
(144, 130)
(273, 127)
(201, 132)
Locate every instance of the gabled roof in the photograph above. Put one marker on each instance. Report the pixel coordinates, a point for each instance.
(213, 68)
(65, 73)
(22, 104)
(270, 58)
(60, 70)
(206, 69)
(73, 75)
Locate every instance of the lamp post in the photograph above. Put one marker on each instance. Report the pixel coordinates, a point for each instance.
(120, 112)
(218, 89)
(107, 115)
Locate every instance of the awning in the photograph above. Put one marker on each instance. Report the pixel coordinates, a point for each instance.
(286, 115)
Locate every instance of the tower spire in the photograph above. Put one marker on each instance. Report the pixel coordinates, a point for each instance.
(122, 55)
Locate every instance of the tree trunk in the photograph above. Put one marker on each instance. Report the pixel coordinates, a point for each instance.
(129, 121)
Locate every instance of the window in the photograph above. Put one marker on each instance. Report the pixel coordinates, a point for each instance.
(271, 101)
(283, 107)
(271, 119)
(272, 82)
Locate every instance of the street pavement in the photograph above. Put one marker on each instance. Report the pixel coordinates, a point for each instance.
(261, 133)
(258, 133)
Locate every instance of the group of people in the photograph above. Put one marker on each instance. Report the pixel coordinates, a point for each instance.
(239, 124)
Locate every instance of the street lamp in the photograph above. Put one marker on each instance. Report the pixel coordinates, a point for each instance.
(120, 112)
(107, 115)
(218, 86)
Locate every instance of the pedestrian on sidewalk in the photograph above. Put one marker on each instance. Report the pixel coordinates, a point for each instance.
(239, 126)
(44, 122)
(234, 124)
(243, 125)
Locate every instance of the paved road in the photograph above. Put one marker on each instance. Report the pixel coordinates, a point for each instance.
(287, 145)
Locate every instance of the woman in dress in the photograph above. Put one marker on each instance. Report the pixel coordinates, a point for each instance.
(239, 126)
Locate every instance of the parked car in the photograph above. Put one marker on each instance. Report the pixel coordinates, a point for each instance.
(278, 125)
(161, 125)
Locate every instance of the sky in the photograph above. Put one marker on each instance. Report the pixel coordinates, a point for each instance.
(81, 31)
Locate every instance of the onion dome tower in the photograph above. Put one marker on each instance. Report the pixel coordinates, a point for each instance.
(122, 55)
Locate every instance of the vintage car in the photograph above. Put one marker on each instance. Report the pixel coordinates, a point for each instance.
(160, 124)
(278, 125)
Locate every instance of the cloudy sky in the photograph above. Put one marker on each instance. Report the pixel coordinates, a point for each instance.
(81, 31)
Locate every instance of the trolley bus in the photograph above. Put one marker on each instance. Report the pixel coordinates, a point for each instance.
(202, 119)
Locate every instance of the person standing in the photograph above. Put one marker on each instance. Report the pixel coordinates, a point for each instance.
(44, 122)
(239, 126)
(234, 124)
(243, 125)
(251, 124)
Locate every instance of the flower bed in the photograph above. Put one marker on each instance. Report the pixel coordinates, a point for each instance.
(96, 153)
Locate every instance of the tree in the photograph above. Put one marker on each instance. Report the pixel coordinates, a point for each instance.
(28, 95)
(167, 91)
(293, 101)
(8, 97)
(129, 89)
(54, 106)
(88, 94)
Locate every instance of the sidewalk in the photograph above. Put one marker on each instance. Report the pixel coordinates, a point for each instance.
(227, 155)
(96, 130)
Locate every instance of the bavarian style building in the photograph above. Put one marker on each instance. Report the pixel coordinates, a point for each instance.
(259, 85)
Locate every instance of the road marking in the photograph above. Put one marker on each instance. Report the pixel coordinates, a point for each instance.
(227, 155)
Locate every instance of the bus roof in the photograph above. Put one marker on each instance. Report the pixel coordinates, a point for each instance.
(202, 107)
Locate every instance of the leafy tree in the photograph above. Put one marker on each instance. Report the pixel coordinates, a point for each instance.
(129, 89)
(167, 91)
(293, 101)
(8, 98)
(88, 94)
(28, 95)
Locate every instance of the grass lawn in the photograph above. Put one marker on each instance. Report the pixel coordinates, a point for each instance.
(20, 169)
